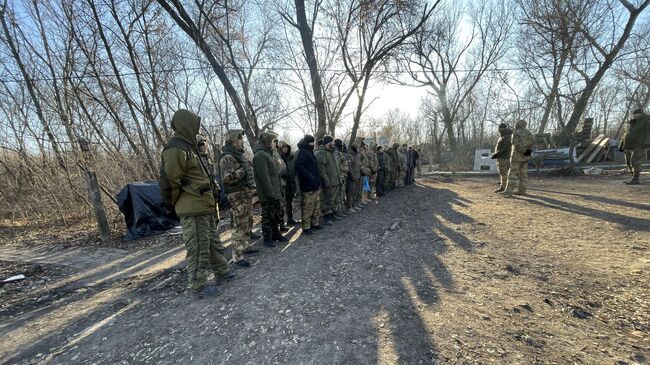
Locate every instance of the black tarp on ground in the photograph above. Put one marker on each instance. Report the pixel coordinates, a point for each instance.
(140, 204)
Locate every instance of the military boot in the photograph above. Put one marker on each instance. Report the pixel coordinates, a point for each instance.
(283, 228)
(207, 292)
(290, 220)
(222, 279)
(268, 240)
(278, 237)
(500, 189)
(254, 236)
(635, 179)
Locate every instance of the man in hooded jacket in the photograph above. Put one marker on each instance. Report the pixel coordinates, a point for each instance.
(634, 143)
(193, 200)
(239, 183)
(269, 185)
(329, 172)
(308, 177)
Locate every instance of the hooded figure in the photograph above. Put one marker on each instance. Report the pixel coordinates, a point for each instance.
(289, 178)
(308, 177)
(502, 155)
(522, 147)
(238, 182)
(329, 170)
(267, 180)
(191, 196)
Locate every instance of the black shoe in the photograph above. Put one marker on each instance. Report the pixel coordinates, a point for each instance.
(207, 292)
(292, 221)
(316, 228)
(279, 238)
(243, 263)
(307, 232)
(268, 242)
(284, 229)
(251, 251)
(220, 280)
(254, 236)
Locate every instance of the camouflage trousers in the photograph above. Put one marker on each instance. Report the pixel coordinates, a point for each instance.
(503, 165)
(241, 221)
(310, 208)
(372, 180)
(201, 250)
(353, 192)
(328, 202)
(634, 159)
(341, 198)
(517, 176)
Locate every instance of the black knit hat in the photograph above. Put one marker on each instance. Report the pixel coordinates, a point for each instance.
(327, 139)
(339, 144)
(319, 142)
(637, 111)
(309, 138)
(503, 126)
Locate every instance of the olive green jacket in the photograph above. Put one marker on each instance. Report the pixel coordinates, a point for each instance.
(637, 133)
(189, 179)
(267, 176)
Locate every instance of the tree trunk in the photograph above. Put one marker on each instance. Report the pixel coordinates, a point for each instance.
(310, 56)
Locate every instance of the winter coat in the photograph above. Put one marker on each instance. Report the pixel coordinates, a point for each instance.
(355, 166)
(504, 144)
(191, 194)
(289, 159)
(328, 168)
(267, 176)
(381, 161)
(307, 168)
(522, 140)
(637, 133)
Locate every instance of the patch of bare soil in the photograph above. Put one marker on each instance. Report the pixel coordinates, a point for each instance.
(444, 271)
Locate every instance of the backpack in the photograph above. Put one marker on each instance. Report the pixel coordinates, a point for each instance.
(165, 185)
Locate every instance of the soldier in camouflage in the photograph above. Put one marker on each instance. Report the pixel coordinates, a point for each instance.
(329, 173)
(522, 147)
(238, 181)
(191, 195)
(634, 143)
(373, 162)
(502, 155)
(344, 167)
(204, 155)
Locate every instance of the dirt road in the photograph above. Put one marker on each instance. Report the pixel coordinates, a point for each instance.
(442, 272)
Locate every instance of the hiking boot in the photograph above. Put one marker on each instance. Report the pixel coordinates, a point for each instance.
(307, 232)
(254, 236)
(291, 221)
(243, 263)
(279, 237)
(207, 292)
(251, 251)
(635, 179)
(268, 242)
(222, 279)
(283, 228)
(499, 190)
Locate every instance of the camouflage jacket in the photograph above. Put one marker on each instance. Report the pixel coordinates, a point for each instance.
(344, 164)
(236, 171)
(522, 140)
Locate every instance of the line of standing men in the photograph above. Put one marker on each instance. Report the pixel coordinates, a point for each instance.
(332, 180)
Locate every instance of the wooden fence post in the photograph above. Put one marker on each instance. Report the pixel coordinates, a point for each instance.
(95, 193)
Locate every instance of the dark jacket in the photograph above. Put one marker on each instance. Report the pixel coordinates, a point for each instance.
(267, 177)
(382, 160)
(504, 144)
(635, 134)
(307, 168)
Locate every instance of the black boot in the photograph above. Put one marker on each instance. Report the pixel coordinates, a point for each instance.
(254, 236)
(268, 240)
(283, 228)
(290, 219)
(278, 237)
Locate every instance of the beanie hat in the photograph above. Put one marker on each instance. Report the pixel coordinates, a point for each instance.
(339, 144)
(309, 138)
(327, 139)
(503, 126)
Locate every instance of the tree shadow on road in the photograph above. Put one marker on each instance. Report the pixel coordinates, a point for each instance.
(600, 199)
(640, 224)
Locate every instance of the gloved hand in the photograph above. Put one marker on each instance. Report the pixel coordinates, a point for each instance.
(528, 152)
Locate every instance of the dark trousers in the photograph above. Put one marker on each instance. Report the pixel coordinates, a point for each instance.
(270, 217)
(381, 177)
(288, 196)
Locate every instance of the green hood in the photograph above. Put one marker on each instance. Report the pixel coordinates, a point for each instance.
(186, 125)
(265, 141)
